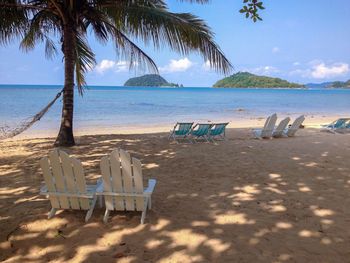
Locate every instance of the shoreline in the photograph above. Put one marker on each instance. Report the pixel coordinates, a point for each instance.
(236, 123)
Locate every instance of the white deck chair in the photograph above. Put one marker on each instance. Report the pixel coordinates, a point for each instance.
(278, 132)
(65, 184)
(123, 184)
(267, 130)
(290, 132)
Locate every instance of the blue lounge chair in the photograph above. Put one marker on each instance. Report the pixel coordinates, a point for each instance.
(200, 131)
(181, 130)
(218, 131)
(337, 125)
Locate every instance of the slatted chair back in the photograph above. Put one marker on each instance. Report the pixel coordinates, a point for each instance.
(281, 127)
(202, 129)
(295, 126)
(340, 123)
(122, 174)
(218, 129)
(183, 128)
(269, 126)
(64, 175)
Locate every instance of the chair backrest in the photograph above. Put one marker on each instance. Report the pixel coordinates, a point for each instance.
(183, 128)
(266, 123)
(281, 127)
(340, 123)
(295, 126)
(218, 129)
(65, 175)
(202, 129)
(269, 126)
(122, 174)
(347, 125)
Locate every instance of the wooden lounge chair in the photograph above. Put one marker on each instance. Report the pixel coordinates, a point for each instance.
(267, 130)
(278, 132)
(218, 131)
(181, 130)
(291, 131)
(65, 184)
(200, 131)
(123, 184)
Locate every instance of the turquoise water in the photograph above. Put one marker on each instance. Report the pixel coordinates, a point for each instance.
(125, 106)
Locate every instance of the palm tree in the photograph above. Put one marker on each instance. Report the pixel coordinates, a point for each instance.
(37, 21)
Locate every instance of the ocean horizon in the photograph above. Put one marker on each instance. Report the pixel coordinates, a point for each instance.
(108, 106)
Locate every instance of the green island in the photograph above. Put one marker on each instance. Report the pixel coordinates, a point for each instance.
(339, 85)
(149, 80)
(249, 80)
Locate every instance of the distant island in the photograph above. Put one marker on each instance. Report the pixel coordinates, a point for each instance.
(330, 85)
(340, 84)
(249, 80)
(150, 80)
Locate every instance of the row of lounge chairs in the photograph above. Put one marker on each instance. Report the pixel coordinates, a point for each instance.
(270, 130)
(217, 131)
(341, 125)
(121, 184)
(200, 131)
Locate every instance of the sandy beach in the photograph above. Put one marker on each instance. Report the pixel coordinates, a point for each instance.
(241, 200)
(242, 120)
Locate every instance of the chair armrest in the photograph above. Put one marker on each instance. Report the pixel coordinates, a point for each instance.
(99, 186)
(43, 190)
(151, 184)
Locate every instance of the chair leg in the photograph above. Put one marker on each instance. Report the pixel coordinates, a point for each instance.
(149, 203)
(89, 212)
(52, 213)
(105, 217)
(101, 200)
(143, 216)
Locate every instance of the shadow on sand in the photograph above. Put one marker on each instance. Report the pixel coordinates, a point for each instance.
(242, 200)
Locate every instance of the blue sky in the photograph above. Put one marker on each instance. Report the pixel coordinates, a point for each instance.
(298, 40)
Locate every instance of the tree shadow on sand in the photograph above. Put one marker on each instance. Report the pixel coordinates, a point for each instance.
(242, 200)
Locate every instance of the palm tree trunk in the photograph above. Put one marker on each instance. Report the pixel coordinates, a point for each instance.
(65, 136)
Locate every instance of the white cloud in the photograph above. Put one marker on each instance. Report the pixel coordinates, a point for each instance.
(206, 66)
(121, 66)
(177, 65)
(276, 49)
(322, 71)
(296, 63)
(265, 70)
(117, 66)
(104, 65)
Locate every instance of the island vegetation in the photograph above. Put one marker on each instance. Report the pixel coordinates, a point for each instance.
(249, 80)
(330, 85)
(339, 84)
(149, 80)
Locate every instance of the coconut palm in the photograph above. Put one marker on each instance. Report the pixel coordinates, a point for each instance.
(122, 21)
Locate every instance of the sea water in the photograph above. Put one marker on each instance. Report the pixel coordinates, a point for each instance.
(147, 106)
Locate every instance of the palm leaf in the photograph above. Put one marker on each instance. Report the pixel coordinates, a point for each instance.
(150, 21)
(85, 60)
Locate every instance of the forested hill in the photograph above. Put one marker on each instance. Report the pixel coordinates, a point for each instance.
(248, 80)
(150, 80)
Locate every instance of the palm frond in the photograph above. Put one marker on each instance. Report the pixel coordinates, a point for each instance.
(104, 30)
(85, 60)
(41, 25)
(13, 21)
(182, 32)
